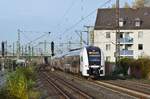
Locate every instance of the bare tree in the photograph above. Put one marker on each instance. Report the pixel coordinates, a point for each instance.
(126, 5)
(113, 5)
(138, 3)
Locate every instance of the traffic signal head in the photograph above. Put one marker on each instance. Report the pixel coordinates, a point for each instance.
(3, 49)
(52, 48)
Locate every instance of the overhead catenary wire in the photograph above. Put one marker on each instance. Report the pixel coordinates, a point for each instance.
(61, 21)
(26, 38)
(85, 17)
(66, 12)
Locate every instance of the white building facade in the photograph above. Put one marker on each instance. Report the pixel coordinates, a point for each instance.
(134, 33)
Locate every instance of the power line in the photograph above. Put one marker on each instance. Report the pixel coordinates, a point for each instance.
(85, 17)
(66, 12)
(82, 19)
(64, 15)
(39, 37)
(26, 37)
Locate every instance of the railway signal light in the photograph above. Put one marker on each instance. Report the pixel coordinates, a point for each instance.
(3, 49)
(52, 48)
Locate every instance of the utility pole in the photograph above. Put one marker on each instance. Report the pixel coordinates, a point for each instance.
(32, 51)
(13, 49)
(117, 33)
(22, 50)
(87, 34)
(26, 50)
(29, 52)
(18, 45)
(6, 48)
(3, 56)
(81, 39)
(69, 45)
(45, 46)
(90, 35)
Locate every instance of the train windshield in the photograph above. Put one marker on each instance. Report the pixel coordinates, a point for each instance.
(94, 58)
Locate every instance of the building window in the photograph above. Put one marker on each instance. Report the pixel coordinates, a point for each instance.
(108, 47)
(108, 58)
(107, 34)
(137, 22)
(121, 35)
(140, 34)
(121, 22)
(140, 46)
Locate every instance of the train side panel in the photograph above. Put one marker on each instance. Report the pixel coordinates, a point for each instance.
(85, 65)
(89, 62)
(102, 69)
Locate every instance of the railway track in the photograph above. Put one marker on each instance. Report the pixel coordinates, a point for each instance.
(130, 88)
(60, 94)
(134, 89)
(125, 88)
(139, 82)
(144, 88)
(67, 90)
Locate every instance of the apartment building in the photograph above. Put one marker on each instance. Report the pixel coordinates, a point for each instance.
(134, 36)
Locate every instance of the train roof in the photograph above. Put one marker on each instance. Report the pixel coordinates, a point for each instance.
(75, 52)
(69, 53)
(92, 47)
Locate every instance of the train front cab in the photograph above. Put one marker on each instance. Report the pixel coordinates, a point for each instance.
(92, 62)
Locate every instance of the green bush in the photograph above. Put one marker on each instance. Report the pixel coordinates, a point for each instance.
(143, 65)
(125, 63)
(139, 68)
(19, 84)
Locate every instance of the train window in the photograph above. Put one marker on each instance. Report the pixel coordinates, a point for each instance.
(94, 60)
(81, 58)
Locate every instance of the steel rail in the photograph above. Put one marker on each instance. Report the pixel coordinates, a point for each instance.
(124, 89)
(128, 87)
(72, 87)
(54, 85)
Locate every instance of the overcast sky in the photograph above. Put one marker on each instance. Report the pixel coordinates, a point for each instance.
(46, 16)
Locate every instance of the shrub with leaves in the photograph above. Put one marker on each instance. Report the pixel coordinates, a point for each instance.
(140, 68)
(143, 65)
(19, 84)
(125, 63)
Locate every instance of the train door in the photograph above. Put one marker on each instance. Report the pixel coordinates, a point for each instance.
(81, 61)
(85, 65)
